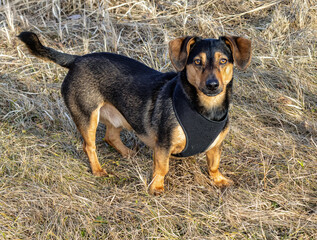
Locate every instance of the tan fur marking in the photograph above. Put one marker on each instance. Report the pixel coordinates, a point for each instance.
(190, 42)
(217, 57)
(223, 73)
(178, 140)
(203, 57)
(194, 76)
(160, 169)
(211, 102)
(114, 121)
(213, 161)
(89, 146)
(112, 137)
(227, 73)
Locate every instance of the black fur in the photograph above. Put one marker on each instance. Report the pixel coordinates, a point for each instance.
(141, 94)
(89, 83)
(128, 84)
(37, 49)
(122, 92)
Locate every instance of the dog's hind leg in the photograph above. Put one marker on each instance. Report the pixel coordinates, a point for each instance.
(114, 121)
(88, 133)
(112, 137)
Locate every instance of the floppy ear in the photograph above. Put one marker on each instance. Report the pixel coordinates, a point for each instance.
(179, 51)
(241, 50)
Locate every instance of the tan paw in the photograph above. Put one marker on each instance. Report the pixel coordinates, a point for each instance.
(224, 182)
(100, 173)
(219, 180)
(156, 191)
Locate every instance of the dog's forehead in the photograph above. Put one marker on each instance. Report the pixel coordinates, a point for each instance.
(210, 47)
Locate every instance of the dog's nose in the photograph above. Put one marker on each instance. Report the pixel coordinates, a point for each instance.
(212, 84)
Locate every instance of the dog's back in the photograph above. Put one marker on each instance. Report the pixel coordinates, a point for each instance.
(127, 84)
(93, 79)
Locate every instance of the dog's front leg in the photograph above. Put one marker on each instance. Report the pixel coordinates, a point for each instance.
(160, 169)
(213, 161)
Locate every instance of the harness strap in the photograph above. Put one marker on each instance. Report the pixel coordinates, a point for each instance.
(199, 131)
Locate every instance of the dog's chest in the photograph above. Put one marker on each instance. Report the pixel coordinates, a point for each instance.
(197, 133)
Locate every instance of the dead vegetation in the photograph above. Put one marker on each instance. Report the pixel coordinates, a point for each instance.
(46, 188)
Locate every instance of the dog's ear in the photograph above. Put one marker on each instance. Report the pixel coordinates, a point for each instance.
(241, 50)
(179, 50)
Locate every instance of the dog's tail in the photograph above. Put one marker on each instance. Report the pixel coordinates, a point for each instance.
(37, 49)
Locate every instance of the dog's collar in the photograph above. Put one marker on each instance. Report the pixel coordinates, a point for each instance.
(199, 131)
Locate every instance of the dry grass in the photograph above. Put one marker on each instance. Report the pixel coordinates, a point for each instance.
(46, 188)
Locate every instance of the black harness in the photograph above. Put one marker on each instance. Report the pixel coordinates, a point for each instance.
(199, 131)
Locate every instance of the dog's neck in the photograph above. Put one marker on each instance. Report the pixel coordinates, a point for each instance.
(213, 108)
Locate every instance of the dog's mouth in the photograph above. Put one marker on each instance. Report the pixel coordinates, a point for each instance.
(210, 93)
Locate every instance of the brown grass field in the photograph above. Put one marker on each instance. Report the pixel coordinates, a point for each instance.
(46, 188)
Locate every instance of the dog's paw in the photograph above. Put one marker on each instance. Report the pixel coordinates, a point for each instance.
(224, 182)
(156, 191)
(100, 173)
(220, 181)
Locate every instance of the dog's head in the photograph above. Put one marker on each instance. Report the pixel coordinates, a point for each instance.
(209, 62)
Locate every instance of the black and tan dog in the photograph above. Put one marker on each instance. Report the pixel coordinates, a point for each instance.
(176, 113)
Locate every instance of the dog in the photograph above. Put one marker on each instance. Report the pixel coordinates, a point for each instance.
(177, 114)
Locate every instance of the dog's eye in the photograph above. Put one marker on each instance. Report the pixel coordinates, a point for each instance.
(197, 61)
(223, 61)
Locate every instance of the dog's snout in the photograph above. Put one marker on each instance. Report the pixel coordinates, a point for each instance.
(212, 84)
